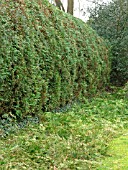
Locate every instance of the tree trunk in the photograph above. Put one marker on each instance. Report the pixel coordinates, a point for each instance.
(70, 6)
(59, 4)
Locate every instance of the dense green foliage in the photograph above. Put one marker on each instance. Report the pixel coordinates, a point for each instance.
(111, 22)
(77, 139)
(48, 58)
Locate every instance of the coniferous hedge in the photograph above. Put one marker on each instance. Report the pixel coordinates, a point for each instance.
(47, 58)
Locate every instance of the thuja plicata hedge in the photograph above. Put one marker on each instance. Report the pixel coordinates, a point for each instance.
(47, 58)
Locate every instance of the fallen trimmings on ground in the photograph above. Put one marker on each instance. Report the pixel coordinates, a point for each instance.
(9, 125)
(76, 139)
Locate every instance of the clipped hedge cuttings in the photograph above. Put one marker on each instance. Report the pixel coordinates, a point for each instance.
(47, 58)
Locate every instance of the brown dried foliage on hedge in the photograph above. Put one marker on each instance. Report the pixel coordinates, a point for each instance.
(47, 58)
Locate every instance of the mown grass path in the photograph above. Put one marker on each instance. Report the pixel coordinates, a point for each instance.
(118, 154)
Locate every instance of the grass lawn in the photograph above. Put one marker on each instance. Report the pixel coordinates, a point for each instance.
(118, 154)
(74, 140)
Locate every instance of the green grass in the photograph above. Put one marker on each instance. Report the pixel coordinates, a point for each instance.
(118, 155)
(75, 140)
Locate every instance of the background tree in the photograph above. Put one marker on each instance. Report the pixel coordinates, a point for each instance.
(70, 7)
(111, 22)
(59, 4)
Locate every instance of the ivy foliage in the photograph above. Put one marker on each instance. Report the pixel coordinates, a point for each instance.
(111, 22)
(48, 58)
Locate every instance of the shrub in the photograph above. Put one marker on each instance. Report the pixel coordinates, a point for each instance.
(111, 22)
(48, 58)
